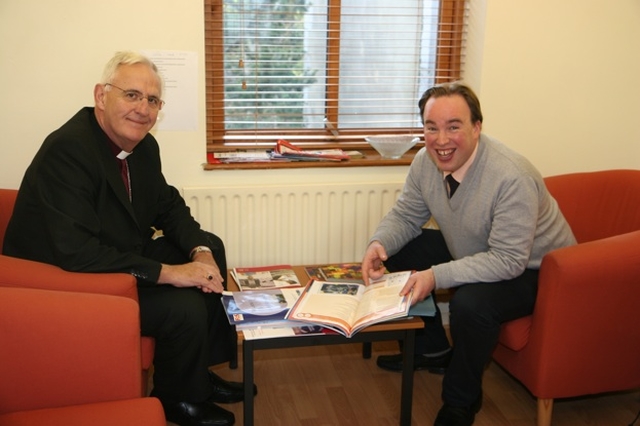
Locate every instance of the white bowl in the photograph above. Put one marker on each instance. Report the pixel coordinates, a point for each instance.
(392, 146)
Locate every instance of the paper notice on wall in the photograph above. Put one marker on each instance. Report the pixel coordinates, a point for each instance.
(179, 70)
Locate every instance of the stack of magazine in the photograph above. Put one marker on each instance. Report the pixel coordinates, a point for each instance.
(266, 295)
(272, 303)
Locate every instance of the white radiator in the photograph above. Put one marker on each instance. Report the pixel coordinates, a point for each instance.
(292, 224)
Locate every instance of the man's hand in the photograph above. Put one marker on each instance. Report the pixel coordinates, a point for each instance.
(422, 283)
(202, 272)
(372, 267)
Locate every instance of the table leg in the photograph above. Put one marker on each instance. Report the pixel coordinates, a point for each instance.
(366, 350)
(406, 395)
(247, 377)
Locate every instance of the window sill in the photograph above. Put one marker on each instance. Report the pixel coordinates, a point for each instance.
(371, 159)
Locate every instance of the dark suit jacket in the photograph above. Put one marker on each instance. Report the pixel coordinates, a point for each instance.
(73, 211)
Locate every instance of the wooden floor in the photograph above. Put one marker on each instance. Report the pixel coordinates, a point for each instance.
(334, 385)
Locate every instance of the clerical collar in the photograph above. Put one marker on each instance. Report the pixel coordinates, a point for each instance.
(123, 154)
(120, 153)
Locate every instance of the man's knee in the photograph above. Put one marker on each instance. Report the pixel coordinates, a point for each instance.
(189, 307)
(174, 312)
(469, 302)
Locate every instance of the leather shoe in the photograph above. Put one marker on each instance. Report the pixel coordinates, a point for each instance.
(199, 414)
(458, 416)
(434, 364)
(227, 392)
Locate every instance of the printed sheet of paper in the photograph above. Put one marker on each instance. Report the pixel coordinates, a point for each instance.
(179, 70)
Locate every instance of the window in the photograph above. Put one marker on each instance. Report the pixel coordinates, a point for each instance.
(324, 73)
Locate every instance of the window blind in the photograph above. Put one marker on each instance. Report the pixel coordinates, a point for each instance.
(325, 72)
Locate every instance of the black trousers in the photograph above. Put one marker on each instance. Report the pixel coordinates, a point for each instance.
(190, 328)
(476, 312)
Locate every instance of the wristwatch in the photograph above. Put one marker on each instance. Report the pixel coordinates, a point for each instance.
(199, 249)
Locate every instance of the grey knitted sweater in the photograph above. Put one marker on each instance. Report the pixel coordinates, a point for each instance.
(500, 221)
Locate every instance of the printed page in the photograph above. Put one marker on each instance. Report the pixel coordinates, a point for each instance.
(333, 304)
(381, 300)
(343, 305)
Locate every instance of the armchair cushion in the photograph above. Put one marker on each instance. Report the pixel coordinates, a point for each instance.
(63, 348)
(71, 359)
(515, 334)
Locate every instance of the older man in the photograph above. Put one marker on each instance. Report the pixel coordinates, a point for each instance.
(92, 200)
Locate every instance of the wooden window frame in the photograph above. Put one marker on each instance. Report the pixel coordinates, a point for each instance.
(448, 68)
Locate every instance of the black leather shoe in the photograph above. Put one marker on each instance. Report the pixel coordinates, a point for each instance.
(227, 392)
(458, 416)
(200, 414)
(434, 364)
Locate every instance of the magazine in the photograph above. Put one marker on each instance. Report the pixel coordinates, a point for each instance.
(336, 272)
(285, 149)
(262, 308)
(347, 272)
(265, 277)
(348, 307)
(275, 332)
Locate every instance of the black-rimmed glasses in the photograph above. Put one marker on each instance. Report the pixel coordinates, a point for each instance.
(134, 96)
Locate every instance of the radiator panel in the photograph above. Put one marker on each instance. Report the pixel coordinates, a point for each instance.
(292, 224)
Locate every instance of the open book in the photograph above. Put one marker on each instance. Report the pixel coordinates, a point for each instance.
(348, 307)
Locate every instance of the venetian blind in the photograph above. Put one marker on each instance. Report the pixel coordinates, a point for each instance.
(324, 72)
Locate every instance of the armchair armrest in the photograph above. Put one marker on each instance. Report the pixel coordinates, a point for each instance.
(15, 272)
(587, 303)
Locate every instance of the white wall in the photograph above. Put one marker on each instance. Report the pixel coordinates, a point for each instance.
(557, 81)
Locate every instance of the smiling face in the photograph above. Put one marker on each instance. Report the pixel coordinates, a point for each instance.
(449, 133)
(125, 122)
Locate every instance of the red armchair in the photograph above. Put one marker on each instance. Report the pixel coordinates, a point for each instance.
(583, 336)
(71, 359)
(16, 272)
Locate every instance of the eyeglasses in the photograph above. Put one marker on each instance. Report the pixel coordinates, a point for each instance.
(134, 96)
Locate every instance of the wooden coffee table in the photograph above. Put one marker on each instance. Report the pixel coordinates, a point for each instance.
(403, 330)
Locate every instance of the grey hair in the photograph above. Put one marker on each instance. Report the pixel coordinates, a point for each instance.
(127, 58)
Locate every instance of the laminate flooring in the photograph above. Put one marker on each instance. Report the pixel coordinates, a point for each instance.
(334, 385)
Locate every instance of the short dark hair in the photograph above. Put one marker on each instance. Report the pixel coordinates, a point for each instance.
(450, 89)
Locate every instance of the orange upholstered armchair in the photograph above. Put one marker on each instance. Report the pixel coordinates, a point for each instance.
(16, 272)
(583, 337)
(71, 359)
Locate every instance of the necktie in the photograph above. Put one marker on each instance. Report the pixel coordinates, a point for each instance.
(124, 171)
(453, 184)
